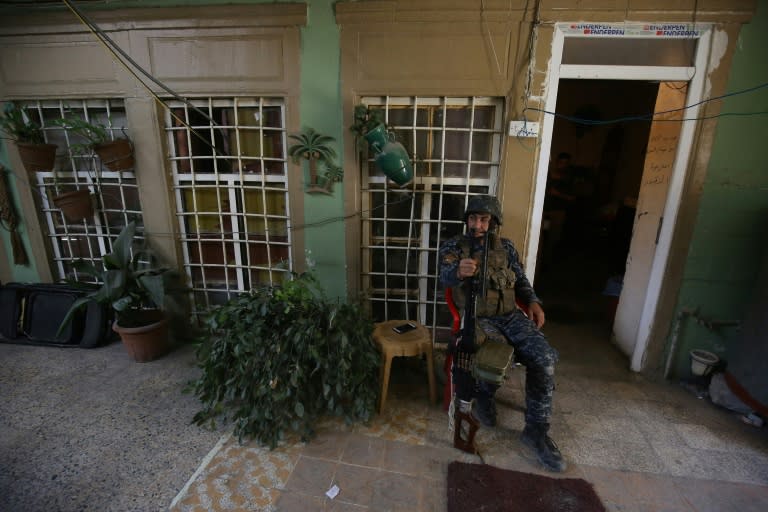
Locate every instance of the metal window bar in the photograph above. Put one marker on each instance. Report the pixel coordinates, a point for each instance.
(446, 172)
(115, 198)
(229, 167)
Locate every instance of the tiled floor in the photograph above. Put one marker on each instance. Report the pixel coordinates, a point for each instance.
(91, 430)
(643, 446)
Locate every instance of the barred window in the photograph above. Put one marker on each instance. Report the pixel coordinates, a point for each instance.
(114, 194)
(230, 184)
(456, 146)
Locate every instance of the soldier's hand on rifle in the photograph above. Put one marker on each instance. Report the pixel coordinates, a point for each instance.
(467, 268)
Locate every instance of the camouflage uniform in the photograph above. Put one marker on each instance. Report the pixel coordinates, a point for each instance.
(531, 347)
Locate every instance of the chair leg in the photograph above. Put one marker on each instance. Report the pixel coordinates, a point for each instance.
(448, 387)
(431, 374)
(386, 365)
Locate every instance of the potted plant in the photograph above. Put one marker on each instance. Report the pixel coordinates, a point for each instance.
(315, 148)
(35, 154)
(138, 290)
(280, 357)
(389, 155)
(75, 205)
(369, 125)
(116, 154)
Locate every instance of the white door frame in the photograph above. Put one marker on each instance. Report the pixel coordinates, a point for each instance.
(696, 77)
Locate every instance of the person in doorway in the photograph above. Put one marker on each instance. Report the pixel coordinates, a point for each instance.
(497, 315)
(558, 201)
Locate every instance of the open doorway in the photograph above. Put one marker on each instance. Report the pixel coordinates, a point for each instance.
(677, 62)
(599, 171)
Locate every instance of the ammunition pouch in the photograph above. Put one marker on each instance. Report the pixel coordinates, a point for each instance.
(492, 360)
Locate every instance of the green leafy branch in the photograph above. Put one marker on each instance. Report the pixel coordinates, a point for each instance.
(279, 358)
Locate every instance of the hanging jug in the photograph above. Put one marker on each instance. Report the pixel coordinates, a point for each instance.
(394, 162)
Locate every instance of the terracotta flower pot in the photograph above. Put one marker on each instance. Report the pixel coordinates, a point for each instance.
(145, 343)
(37, 157)
(117, 155)
(75, 205)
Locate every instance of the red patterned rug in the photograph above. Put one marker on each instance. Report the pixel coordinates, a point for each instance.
(478, 487)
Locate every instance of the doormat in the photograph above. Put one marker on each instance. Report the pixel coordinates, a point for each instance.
(492, 489)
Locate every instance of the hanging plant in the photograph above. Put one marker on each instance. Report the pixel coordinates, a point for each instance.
(277, 359)
(390, 156)
(315, 148)
(17, 126)
(365, 119)
(116, 154)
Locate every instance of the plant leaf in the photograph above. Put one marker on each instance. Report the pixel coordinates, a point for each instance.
(120, 256)
(155, 288)
(76, 306)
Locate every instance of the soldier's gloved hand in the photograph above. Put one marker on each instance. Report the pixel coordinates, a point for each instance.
(467, 268)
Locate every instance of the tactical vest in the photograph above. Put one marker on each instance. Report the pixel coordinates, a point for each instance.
(500, 279)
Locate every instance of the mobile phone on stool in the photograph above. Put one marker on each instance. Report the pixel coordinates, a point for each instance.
(403, 328)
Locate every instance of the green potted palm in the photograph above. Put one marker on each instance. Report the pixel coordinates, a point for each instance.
(138, 290)
(279, 358)
(28, 136)
(368, 124)
(116, 154)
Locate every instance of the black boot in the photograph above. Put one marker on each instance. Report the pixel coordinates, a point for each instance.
(538, 444)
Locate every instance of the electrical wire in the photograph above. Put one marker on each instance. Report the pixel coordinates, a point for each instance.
(114, 49)
(651, 116)
(532, 37)
(118, 52)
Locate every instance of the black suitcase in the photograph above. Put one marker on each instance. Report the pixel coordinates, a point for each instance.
(10, 313)
(35, 312)
(44, 310)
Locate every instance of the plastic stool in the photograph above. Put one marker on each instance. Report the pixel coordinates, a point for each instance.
(408, 344)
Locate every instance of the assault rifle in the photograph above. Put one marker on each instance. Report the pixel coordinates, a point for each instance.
(475, 287)
(464, 425)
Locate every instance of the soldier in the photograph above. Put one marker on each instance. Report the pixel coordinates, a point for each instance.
(497, 315)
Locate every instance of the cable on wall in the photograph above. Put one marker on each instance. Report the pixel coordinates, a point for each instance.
(652, 115)
(115, 49)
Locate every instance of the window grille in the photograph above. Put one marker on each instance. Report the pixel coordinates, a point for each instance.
(115, 194)
(230, 184)
(456, 146)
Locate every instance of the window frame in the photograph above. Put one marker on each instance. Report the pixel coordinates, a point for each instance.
(235, 185)
(433, 188)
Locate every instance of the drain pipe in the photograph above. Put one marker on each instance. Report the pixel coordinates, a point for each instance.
(709, 324)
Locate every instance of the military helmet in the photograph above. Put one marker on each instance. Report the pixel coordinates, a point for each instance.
(484, 204)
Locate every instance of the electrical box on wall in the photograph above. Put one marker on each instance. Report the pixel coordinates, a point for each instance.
(523, 129)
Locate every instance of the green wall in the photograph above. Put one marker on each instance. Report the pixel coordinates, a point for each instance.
(321, 110)
(731, 231)
(20, 273)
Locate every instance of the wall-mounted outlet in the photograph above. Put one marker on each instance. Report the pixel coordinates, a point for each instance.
(523, 129)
